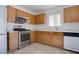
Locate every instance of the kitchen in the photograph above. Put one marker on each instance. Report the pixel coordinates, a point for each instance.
(54, 26)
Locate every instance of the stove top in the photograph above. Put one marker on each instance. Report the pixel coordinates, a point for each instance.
(20, 29)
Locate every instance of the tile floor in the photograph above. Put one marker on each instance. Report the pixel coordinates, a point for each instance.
(37, 48)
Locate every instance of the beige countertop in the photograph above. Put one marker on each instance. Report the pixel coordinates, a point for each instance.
(74, 31)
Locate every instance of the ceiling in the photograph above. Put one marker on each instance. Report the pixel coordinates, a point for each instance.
(37, 8)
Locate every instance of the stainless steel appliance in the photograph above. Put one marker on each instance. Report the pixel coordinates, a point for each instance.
(24, 36)
(21, 19)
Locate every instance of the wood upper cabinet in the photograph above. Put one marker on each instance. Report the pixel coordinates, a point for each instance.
(29, 16)
(39, 19)
(71, 14)
(13, 40)
(21, 13)
(32, 19)
(11, 14)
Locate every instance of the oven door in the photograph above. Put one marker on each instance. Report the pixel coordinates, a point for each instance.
(24, 37)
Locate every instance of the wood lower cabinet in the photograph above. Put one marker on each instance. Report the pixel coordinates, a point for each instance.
(50, 38)
(39, 36)
(57, 39)
(13, 40)
(47, 38)
(32, 35)
(71, 14)
(11, 14)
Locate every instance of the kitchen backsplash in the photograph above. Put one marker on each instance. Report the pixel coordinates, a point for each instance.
(64, 27)
(44, 28)
(10, 26)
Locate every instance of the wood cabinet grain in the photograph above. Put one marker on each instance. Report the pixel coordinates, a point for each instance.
(11, 14)
(21, 13)
(47, 38)
(39, 36)
(32, 35)
(71, 14)
(50, 38)
(32, 19)
(13, 41)
(57, 39)
(40, 18)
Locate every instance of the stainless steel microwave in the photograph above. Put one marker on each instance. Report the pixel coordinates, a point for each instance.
(21, 19)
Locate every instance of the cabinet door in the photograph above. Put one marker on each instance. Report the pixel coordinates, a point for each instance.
(47, 38)
(66, 15)
(25, 14)
(11, 12)
(71, 14)
(58, 39)
(13, 41)
(32, 20)
(29, 18)
(19, 12)
(39, 36)
(39, 19)
(32, 37)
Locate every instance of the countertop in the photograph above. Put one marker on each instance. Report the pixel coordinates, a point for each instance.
(73, 31)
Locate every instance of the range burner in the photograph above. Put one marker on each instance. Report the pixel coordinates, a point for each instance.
(20, 29)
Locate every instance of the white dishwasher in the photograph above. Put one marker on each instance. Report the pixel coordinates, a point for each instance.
(71, 41)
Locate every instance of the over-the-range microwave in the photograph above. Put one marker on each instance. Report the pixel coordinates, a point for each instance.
(21, 19)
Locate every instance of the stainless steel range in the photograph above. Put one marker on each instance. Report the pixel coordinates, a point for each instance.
(24, 36)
